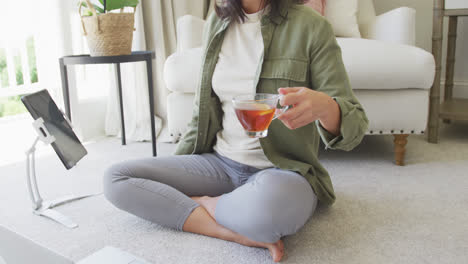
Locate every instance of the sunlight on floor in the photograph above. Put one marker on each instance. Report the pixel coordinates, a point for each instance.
(17, 135)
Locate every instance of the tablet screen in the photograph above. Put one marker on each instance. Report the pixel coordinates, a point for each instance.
(67, 145)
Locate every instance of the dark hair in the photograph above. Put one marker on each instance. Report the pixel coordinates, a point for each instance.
(232, 9)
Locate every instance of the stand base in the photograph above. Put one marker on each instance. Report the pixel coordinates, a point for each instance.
(46, 210)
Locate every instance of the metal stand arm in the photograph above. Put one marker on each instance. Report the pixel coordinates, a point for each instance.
(41, 207)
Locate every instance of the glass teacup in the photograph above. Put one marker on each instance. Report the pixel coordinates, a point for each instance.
(255, 112)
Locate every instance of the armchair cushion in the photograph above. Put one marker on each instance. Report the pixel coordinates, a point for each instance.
(380, 65)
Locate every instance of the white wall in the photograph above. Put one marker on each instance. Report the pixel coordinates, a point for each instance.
(424, 37)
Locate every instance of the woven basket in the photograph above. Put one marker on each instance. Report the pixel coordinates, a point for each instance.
(108, 34)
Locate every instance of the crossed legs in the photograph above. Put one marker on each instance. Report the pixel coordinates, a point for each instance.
(271, 204)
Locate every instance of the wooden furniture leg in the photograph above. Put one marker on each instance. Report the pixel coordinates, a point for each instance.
(450, 64)
(400, 144)
(434, 103)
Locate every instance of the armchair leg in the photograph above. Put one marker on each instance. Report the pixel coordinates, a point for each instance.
(400, 144)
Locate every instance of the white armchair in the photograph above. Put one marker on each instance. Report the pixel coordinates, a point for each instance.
(388, 74)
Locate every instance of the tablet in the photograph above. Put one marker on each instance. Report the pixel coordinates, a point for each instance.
(67, 145)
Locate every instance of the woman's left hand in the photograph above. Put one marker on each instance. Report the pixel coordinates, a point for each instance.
(309, 106)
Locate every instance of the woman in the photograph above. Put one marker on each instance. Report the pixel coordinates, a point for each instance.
(224, 184)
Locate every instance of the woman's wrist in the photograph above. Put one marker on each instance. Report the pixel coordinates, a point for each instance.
(331, 116)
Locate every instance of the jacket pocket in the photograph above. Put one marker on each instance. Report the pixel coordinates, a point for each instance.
(277, 73)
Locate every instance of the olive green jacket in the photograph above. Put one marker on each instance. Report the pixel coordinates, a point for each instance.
(300, 50)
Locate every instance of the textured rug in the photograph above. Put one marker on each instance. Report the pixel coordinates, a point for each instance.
(383, 214)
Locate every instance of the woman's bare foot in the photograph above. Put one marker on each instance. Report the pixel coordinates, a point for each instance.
(276, 249)
(209, 203)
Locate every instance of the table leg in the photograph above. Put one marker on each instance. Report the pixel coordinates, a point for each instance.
(450, 64)
(65, 88)
(434, 102)
(119, 87)
(149, 73)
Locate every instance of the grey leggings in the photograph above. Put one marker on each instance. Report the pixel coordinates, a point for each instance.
(263, 205)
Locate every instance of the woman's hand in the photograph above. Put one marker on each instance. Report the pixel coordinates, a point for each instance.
(309, 106)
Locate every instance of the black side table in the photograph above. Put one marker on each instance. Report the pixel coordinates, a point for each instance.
(134, 57)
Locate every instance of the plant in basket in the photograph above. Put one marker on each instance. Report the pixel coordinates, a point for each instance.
(108, 33)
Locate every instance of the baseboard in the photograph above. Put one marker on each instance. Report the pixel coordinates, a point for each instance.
(460, 88)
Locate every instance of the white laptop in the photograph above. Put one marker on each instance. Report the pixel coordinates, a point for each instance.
(15, 249)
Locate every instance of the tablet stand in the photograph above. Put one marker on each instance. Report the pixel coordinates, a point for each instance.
(41, 207)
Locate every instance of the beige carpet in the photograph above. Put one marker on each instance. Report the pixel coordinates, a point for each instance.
(384, 213)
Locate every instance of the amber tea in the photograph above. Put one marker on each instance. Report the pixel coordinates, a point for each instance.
(255, 112)
(255, 120)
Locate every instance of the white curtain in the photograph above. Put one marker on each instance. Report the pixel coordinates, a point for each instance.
(51, 26)
(135, 94)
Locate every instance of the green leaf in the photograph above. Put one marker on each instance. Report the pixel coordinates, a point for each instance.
(99, 10)
(118, 4)
(101, 5)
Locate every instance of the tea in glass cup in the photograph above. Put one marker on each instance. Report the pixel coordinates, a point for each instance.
(255, 112)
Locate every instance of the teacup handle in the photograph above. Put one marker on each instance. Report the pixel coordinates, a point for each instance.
(280, 110)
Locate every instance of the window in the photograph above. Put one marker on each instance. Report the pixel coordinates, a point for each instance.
(18, 76)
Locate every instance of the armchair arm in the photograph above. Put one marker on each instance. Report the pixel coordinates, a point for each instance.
(185, 63)
(189, 32)
(395, 26)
